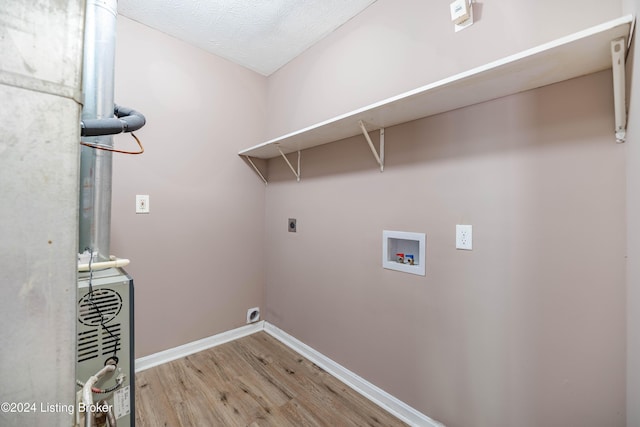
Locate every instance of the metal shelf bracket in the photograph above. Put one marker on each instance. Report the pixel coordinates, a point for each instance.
(296, 173)
(255, 168)
(379, 157)
(618, 52)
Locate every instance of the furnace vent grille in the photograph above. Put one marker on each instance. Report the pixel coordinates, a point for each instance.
(111, 339)
(91, 345)
(87, 345)
(103, 306)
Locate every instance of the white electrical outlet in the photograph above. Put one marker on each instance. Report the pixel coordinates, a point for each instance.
(464, 237)
(142, 203)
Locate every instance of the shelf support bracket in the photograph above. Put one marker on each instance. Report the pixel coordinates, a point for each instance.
(379, 157)
(255, 168)
(296, 173)
(618, 49)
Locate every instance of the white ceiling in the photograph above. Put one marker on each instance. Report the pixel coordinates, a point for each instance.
(261, 35)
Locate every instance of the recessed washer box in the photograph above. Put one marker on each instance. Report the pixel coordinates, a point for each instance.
(405, 243)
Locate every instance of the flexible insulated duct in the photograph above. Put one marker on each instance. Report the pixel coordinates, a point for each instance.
(127, 120)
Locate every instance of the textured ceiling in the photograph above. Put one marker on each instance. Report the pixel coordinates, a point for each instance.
(261, 35)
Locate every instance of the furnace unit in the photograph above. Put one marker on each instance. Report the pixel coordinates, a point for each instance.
(105, 335)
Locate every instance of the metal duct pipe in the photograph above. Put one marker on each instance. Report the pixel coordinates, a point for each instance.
(98, 89)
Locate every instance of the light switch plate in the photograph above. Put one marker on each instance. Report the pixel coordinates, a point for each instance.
(142, 203)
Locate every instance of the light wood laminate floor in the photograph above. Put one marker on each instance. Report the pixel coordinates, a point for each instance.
(253, 381)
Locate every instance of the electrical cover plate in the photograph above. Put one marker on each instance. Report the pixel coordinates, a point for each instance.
(461, 14)
(464, 237)
(459, 11)
(142, 203)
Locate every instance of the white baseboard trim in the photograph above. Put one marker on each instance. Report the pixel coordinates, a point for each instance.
(378, 396)
(165, 356)
(375, 394)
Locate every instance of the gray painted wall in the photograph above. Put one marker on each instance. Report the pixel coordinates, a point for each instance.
(40, 72)
(197, 257)
(529, 328)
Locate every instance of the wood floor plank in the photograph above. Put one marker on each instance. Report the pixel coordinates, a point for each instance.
(254, 381)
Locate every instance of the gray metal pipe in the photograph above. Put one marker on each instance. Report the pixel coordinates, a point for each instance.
(126, 120)
(98, 89)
